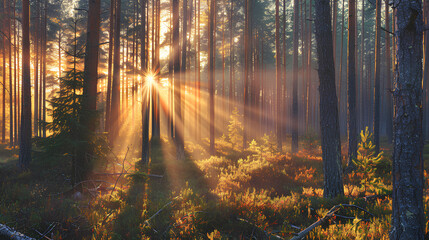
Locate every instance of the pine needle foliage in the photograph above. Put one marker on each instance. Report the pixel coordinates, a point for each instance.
(367, 162)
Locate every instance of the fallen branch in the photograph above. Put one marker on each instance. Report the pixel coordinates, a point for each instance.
(269, 235)
(122, 172)
(158, 212)
(319, 222)
(329, 215)
(10, 233)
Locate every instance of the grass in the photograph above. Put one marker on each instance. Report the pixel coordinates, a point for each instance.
(252, 194)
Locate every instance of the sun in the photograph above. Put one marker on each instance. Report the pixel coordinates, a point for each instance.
(150, 79)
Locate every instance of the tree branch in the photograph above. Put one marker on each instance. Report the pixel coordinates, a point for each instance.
(10, 233)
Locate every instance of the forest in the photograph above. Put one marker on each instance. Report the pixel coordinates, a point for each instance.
(227, 119)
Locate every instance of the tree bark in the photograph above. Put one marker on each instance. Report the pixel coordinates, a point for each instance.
(211, 75)
(110, 64)
(408, 220)
(180, 150)
(145, 88)
(25, 144)
(329, 124)
(89, 99)
(278, 83)
(295, 77)
(377, 69)
(389, 106)
(115, 106)
(351, 86)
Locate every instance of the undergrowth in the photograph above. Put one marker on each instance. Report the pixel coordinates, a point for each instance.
(256, 194)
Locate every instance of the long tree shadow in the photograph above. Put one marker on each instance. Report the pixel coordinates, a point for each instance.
(165, 196)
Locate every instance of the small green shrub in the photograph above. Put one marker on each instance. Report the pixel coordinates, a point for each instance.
(367, 162)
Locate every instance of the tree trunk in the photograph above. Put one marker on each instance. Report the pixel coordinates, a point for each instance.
(231, 58)
(180, 151)
(25, 144)
(377, 69)
(408, 220)
(331, 145)
(184, 54)
(389, 106)
(110, 64)
(36, 72)
(115, 106)
(211, 75)
(278, 83)
(145, 87)
(363, 109)
(295, 77)
(351, 86)
(89, 100)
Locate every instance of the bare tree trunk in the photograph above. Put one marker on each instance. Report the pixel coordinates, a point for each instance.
(231, 58)
(25, 144)
(309, 96)
(115, 106)
(36, 73)
(184, 54)
(9, 36)
(377, 69)
(408, 219)
(278, 83)
(389, 106)
(110, 64)
(329, 124)
(295, 78)
(340, 73)
(211, 76)
(362, 79)
(425, 68)
(351, 86)
(145, 88)
(45, 38)
(180, 151)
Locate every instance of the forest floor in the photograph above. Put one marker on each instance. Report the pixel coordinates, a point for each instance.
(251, 194)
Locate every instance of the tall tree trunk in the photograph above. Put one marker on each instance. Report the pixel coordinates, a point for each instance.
(115, 106)
(15, 83)
(363, 109)
(309, 96)
(278, 83)
(89, 101)
(25, 144)
(295, 78)
(389, 106)
(211, 75)
(36, 72)
(3, 123)
(331, 144)
(377, 69)
(231, 57)
(425, 68)
(180, 150)
(9, 47)
(44, 74)
(351, 86)
(199, 72)
(408, 219)
(247, 60)
(184, 54)
(158, 66)
(110, 64)
(285, 99)
(340, 73)
(145, 88)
